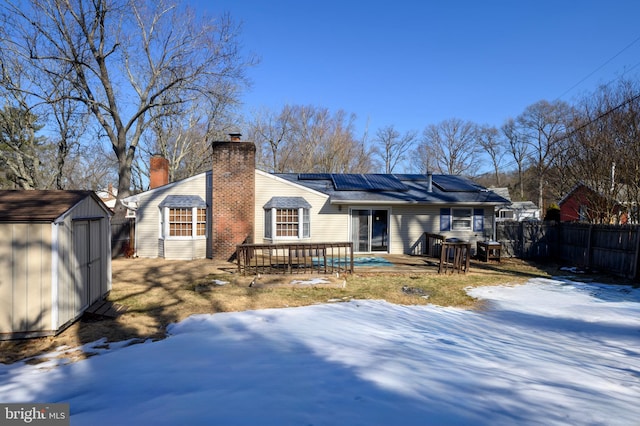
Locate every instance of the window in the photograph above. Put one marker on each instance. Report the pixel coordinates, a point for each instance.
(287, 223)
(461, 219)
(183, 216)
(180, 223)
(506, 214)
(464, 219)
(287, 218)
(201, 222)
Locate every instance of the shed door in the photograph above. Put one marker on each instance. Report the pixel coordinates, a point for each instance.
(87, 248)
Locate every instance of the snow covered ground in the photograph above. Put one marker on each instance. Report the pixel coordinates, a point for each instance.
(545, 353)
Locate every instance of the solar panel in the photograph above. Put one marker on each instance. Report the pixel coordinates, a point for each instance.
(411, 177)
(350, 182)
(314, 176)
(450, 183)
(385, 183)
(367, 182)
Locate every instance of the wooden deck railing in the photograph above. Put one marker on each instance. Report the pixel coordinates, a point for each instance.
(294, 258)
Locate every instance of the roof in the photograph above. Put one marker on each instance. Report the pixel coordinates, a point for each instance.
(521, 205)
(395, 188)
(503, 192)
(287, 203)
(39, 205)
(183, 201)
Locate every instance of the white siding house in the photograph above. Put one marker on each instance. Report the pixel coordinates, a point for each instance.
(170, 221)
(381, 213)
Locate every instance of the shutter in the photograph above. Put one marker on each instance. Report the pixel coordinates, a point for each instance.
(267, 223)
(445, 219)
(478, 220)
(306, 223)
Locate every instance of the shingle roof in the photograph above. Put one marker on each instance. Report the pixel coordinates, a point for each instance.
(38, 205)
(398, 188)
(287, 203)
(183, 201)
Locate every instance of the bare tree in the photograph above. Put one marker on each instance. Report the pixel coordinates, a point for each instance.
(391, 146)
(489, 139)
(422, 161)
(309, 139)
(452, 145)
(603, 151)
(127, 61)
(518, 149)
(20, 148)
(543, 127)
(271, 132)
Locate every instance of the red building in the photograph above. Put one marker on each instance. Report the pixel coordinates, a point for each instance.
(583, 204)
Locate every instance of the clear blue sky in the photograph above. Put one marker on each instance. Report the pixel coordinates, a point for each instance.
(415, 63)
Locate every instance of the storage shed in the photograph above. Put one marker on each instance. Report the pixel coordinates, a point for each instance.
(55, 259)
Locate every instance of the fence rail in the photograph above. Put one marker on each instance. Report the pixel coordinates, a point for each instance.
(612, 248)
(321, 258)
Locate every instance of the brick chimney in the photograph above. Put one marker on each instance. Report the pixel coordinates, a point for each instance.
(158, 171)
(233, 196)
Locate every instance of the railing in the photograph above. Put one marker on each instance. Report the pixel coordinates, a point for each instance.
(321, 258)
(433, 244)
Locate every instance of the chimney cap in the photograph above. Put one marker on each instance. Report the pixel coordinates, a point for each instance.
(235, 135)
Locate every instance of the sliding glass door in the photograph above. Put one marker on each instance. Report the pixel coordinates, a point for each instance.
(370, 230)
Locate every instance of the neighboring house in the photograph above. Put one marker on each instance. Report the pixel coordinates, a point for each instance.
(515, 210)
(108, 196)
(55, 259)
(208, 214)
(584, 204)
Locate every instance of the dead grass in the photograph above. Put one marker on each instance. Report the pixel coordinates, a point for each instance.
(159, 292)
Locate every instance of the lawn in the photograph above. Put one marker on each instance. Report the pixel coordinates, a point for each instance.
(159, 292)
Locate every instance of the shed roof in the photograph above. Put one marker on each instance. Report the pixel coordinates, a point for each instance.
(38, 205)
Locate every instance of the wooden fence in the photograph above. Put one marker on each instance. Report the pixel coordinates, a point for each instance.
(122, 236)
(611, 248)
(321, 258)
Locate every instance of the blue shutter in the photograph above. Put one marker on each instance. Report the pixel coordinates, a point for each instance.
(445, 219)
(478, 220)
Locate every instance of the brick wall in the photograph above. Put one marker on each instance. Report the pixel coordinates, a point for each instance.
(233, 197)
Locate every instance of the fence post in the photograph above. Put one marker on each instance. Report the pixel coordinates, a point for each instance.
(636, 255)
(588, 254)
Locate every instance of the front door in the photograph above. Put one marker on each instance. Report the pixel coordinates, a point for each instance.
(370, 230)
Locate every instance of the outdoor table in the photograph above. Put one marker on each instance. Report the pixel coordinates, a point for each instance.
(488, 250)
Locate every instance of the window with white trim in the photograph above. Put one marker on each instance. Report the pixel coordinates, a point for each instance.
(287, 218)
(461, 219)
(180, 222)
(183, 217)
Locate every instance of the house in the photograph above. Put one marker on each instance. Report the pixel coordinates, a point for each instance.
(515, 210)
(208, 214)
(108, 196)
(55, 258)
(584, 204)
